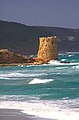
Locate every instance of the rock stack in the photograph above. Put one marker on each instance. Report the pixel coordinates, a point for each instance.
(48, 49)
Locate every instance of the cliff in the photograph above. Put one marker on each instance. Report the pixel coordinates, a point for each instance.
(24, 39)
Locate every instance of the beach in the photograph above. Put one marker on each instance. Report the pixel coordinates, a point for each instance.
(7, 114)
(12, 114)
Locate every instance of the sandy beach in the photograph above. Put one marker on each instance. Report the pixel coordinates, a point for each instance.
(11, 114)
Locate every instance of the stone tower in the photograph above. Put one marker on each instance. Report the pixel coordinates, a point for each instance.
(48, 48)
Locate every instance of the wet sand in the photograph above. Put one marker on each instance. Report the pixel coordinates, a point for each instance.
(11, 114)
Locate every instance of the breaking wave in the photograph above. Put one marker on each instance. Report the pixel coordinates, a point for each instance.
(55, 62)
(59, 109)
(39, 81)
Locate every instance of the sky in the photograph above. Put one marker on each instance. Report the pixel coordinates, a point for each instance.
(52, 13)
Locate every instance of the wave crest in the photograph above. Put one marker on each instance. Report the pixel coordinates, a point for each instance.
(40, 81)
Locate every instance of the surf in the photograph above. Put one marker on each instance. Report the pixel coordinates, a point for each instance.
(40, 81)
(60, 63)
(59, 109)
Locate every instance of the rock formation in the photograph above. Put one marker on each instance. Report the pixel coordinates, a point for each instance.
(8, 57)
(48, 49)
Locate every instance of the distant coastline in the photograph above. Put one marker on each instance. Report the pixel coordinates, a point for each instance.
(24, 39)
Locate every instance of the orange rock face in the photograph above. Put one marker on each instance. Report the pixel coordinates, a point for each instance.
(48, 49)
(38, 61)
(8, 57)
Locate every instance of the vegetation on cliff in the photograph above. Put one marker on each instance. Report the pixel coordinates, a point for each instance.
(25, 39)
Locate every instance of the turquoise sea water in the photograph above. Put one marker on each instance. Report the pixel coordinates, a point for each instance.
(50, 91)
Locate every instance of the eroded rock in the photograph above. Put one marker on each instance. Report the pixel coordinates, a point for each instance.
(8, 57)
(48, 49)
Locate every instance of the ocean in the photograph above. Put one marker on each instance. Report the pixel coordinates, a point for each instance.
(48, 91)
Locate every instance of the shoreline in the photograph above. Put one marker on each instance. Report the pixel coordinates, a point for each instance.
(19, 64)
(13, 114)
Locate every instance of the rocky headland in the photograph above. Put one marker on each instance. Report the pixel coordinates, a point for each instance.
(47, 51)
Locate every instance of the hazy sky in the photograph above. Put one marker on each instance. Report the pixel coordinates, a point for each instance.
(57, 13)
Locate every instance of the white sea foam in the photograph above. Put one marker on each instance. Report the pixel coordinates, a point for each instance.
(73, 63)
(19, 97)
(10, 75)
(63, 60)
(76, 67)
(70, 55)
(39, 81)
(19, 75)
(59, 109)
(4, 78)
(55, 62)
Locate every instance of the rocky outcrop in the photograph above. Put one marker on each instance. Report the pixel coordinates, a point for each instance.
(48, 48)
(47, 51)
(8, 57)
(39, 61)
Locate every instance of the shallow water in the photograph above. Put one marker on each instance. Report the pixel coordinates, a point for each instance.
(50, 91)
